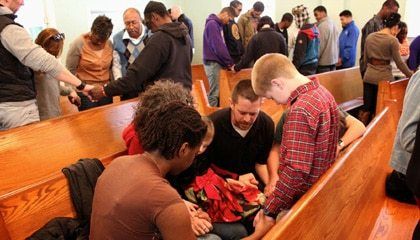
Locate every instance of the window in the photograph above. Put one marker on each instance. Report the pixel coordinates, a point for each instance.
(412, 18)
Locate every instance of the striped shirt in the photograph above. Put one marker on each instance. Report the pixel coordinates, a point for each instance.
(308, 147)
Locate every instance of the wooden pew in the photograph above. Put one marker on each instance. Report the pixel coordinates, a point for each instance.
(198, 73)
(348, 200)
(345, 85)
(391, 90)
(201, 100)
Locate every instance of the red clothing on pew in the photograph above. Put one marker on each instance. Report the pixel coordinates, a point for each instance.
(131, 140)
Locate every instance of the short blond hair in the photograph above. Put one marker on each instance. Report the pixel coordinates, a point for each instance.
(269, 67)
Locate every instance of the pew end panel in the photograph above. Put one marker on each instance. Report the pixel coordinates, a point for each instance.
(198, 73)
(388, 90)
(201, 100)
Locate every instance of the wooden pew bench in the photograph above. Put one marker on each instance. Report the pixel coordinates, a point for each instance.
(348, 201)
(391, 90)
(198, 73)
(345, 85)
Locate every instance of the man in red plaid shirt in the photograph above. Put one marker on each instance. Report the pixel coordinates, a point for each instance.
(310, 132)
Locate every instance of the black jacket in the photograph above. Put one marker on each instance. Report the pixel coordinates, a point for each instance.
(267, 40)
(233, 40)
(167, 55)
(16, 80)
(82, 177)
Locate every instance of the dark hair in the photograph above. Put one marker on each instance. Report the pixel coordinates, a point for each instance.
(390, 4)
(346, 13)
(229, 10)
(166, 128)
(258, 6)
(155, 7)
(235, 3)
(403, 32)
(287, 17)
(320, 8)
(392, 20)
(102, 27)
(244, 89)
(263, 21)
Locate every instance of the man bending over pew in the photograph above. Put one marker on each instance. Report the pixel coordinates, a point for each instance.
(132, 199)
(310, 134)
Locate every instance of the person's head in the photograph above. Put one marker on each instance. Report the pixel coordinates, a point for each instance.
(237, 6)
(176, 11)
(226, 14)
(266, 20)
(155, 15)
(13, 5)
(101, 30)
(392, 22)
(389, 7)
(174, 131)
(208, 138)
(346, 17)
(245, 105)
(275, 77)
(257, 9)
(286, 20)
(163, 92)
(301, 15)
(132, 22)
(402, 35)
(51, 40)
(320, 13)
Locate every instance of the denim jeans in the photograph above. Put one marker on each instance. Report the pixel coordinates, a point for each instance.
(87, 104)
(209, 236)
(212, 69)
(15, 114)
(230, 231)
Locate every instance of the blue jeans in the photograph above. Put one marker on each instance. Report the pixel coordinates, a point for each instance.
(230, 231)
(15, 114)
(209, 236)
(212, 69)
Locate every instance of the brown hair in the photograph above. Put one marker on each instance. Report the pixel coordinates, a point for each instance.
(210, 126)
(244, 89)
(269, 67)
(51, 40)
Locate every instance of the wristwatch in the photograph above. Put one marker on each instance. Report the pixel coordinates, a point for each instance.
(340, 143)
(81, 86)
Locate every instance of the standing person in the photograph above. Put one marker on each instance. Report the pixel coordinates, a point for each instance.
(305, 55)
(167, 55)
(18, 55)
(215, 53)
(310, 133)
(347, 41)
(414, 59)
(248, 22)
(373, 25)
(381, 47)
(404, 50)
(231, 34)
(141, 204)
(90, 59)
(128, 43)
(48, 90)
(282, 26)
(178, 16)
(328, 41)
(267, 40)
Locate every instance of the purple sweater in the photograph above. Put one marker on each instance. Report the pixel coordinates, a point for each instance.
(414, 59)
(214, 47)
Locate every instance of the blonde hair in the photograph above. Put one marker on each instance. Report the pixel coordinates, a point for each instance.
(51, 40)
(269, 67)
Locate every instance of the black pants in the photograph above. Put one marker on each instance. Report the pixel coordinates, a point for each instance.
(396, 188)
(325, 68)
(129, 96)
(308, 69)
(370, 93)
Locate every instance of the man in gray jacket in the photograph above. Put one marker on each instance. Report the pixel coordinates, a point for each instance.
(19, 57)
(328, 41)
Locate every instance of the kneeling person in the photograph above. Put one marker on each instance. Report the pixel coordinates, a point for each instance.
(133, 200)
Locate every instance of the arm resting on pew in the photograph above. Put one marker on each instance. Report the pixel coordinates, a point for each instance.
(355, 129)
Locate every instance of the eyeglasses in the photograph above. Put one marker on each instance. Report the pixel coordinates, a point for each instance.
(59, 36)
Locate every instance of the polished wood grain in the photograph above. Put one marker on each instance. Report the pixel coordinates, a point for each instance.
(345, 203)
(4, 234)
(201, 100)
(34, 152)
(198, 73)
(388, 90)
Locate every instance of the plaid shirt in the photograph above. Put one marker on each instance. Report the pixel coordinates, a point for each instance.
(301, 15)
(308, 147)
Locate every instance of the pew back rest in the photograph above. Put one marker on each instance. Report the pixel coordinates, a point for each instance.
(346, 201)
(198, 73)
(201, 100)
(391, 90)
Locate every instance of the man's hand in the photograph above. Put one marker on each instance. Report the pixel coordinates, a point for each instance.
(232, 68)
(271, 185)
(249, 180)
(74, 98)
(262, 224)
(339, 63)
(97, 92)
(201, 223)
(192, 208)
